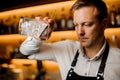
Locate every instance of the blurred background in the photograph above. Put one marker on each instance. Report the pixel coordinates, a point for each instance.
(14, 65)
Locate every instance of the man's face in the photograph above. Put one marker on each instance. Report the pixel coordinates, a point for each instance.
(90, 31)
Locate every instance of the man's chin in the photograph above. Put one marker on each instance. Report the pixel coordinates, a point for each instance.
(84, 45)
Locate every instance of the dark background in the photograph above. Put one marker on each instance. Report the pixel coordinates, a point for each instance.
(14, 4)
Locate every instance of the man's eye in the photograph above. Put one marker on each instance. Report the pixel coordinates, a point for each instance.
(88, 24)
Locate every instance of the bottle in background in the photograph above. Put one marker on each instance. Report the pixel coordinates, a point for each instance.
(1, 27)
(113, 16)
(70, 25)
(118, 18)
(61, 22)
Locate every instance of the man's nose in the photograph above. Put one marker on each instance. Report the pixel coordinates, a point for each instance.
(80, 30)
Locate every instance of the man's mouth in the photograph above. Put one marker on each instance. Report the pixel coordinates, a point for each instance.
(83, 39)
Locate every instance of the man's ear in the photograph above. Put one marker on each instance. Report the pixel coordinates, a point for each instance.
(105, 23)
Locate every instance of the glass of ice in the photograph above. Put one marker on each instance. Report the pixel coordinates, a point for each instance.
(34, 28)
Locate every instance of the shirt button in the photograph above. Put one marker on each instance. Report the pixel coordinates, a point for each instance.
(69, 75)
(98, 77)
(71, 71)
(85, 73)
(88, 60)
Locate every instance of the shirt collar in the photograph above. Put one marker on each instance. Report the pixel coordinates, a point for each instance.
(97, 56)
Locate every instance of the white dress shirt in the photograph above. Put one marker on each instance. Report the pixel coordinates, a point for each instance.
(63, 53)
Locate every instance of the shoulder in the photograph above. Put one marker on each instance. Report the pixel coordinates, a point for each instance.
(114, 54)
(67, 42)
(114, 50)
(69, 47)
(64, 45)
(113, 64)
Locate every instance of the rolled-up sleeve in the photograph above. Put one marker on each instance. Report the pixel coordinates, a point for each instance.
(30, 46)
(36, 49)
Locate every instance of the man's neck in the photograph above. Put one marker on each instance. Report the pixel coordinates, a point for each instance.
(92, 51)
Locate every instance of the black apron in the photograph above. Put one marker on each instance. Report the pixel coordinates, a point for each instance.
(74, 76)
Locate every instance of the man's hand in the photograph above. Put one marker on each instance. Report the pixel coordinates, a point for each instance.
(46, 34)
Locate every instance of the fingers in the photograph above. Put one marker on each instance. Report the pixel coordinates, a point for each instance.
(46, 19)
(46, 34)
(38, 18)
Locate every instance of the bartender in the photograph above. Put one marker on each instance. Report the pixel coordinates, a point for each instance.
(89, 58)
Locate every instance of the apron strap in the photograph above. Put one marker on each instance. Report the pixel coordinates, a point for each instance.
(102, 65)
(103, 62)
(75, 59)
